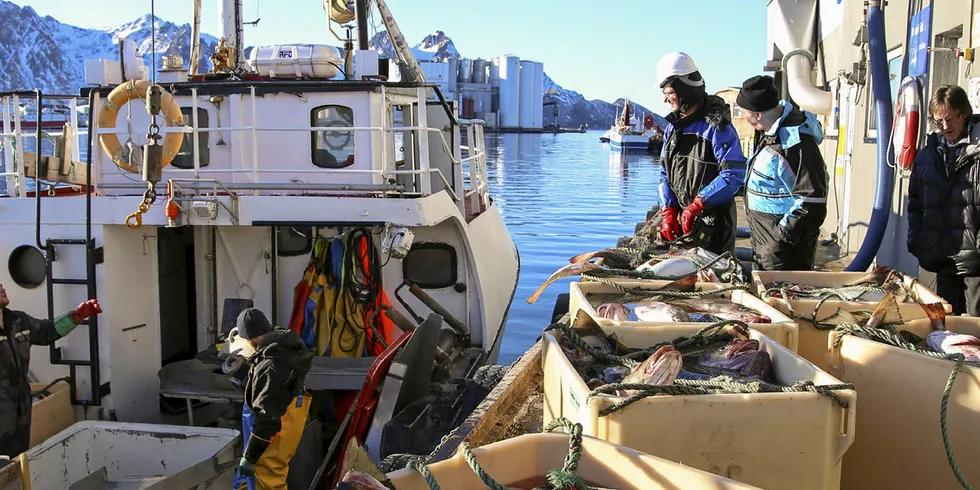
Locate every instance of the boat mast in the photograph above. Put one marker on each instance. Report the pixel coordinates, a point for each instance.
(195, 39)
(407, 64)
(231, 28)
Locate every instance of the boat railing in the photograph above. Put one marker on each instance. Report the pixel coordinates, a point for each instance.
(475, 189)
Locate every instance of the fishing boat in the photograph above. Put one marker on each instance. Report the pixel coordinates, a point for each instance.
(631, 132)
(300, 168)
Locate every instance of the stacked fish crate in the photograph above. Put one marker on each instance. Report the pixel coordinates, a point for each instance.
(703, 374)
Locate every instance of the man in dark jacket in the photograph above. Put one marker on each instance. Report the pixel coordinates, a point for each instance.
(18, 332)
(944, 201)
(276, 403)
(702, 166)
(786, 192)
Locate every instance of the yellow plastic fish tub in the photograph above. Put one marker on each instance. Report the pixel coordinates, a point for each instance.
(782, 329)
(792, 441)
(899, 443)
(813, 342)
(523, 462)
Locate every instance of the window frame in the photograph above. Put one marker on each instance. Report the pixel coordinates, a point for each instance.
(454, 265)
(315, 136)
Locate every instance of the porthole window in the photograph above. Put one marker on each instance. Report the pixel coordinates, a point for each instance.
(431, 265)
(332, 149)
(26, 266)
(294, 240)
(185, 156)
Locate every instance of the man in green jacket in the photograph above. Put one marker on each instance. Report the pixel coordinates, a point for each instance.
(18, 332)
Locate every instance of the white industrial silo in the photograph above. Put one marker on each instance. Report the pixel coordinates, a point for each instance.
(510, 88)
(465, 70)
(526, 118)
(495, 72)
(479, 71)
(453, 75)
(538, 94)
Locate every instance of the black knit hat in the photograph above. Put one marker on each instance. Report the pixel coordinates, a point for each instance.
(758, 94)
(252, 323)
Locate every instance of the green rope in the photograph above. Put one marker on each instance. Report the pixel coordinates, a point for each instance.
(424, 470)
(722, 384)
(475, 466)
(705, 336)
(642, 293)
(566, 477)
(820, 292)
(942, 423)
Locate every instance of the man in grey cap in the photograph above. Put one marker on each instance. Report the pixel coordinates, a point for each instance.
(786, 190)
(276, 403)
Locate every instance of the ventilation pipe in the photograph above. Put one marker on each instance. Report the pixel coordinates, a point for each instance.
(878, 54)
(793, 35)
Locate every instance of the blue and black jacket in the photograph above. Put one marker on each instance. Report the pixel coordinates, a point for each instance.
(786, 191)
(702, 156)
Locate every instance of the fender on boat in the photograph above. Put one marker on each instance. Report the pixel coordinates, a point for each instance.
(885, 178)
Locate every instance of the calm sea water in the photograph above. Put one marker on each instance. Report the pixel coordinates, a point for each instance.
(561, 195)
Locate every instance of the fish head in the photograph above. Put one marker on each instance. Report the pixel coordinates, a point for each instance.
(613, 311)
(759, 365)
(614, 374)
(356, 480)
(738, 347)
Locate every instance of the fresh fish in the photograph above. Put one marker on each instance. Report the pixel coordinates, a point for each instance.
(704, 317)
(954, 343)
(876, 277)
(886, 313)
(660, 368)
(722, 308)
(613, 311)
(674, 267)
(356, 480)
(657, 311)
(614, 258)
(567, 271)
(740, 356)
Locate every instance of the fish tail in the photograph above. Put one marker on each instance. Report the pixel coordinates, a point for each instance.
(936, 314)
(886, 313)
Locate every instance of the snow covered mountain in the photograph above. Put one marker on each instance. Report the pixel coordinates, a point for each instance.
(42, 52)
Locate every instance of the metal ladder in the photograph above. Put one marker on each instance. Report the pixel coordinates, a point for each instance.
(93, 257)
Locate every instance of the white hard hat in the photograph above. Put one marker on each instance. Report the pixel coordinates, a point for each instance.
(676, 64)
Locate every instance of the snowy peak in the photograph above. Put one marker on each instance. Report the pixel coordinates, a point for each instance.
(438, 46)
(434, 47)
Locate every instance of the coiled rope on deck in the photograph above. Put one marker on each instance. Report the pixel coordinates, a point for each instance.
(890, 336)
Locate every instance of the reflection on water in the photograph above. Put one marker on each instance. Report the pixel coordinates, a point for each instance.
(561, 195)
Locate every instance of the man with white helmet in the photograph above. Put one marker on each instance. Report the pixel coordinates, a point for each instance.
(702, 165)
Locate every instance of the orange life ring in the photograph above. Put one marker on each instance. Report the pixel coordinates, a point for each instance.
(905, 130)
(131, 90)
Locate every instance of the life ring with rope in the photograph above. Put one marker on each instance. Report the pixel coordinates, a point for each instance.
(117, 98)
(905, 129)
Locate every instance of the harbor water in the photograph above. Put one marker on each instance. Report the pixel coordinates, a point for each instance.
(561, 195)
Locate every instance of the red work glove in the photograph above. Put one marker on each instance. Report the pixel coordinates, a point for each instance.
(85, 310)
(670, 229)
(690, 213)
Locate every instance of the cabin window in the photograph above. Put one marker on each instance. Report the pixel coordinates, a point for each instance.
(333, 149)
(185, 157)
(894, 80)
(431, 265)
(294, 240)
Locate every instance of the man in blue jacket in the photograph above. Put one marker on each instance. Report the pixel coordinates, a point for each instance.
(786, 192)
(702, 165)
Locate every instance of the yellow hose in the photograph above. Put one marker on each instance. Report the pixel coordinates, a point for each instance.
(25, 472)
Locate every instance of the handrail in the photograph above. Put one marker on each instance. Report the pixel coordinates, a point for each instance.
(476, 154)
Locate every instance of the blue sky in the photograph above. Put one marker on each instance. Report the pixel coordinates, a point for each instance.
(603, 50)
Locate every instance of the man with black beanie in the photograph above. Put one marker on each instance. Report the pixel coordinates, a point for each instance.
(702, 165)
(276, 403)
(786, 192)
